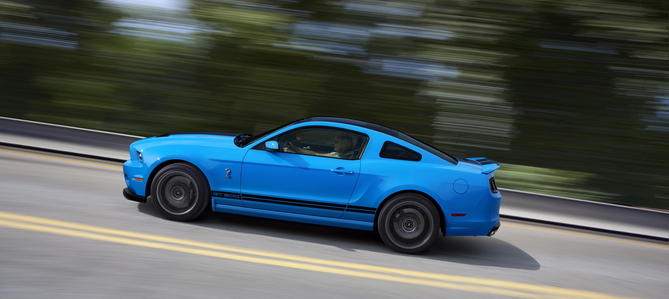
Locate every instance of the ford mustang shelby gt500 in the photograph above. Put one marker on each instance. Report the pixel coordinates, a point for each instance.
(320, 170)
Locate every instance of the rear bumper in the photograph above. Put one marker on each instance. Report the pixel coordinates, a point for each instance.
(494, 230)
(132, 196)
(474, 228)
(481, 220)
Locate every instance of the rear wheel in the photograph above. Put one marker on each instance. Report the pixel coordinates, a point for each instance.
(408, 223)
(180, 192)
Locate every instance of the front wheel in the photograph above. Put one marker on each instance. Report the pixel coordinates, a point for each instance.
(408, 223)
(180, 192)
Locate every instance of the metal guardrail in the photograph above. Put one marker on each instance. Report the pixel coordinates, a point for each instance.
(518, 205)
(585, 214)
(64, 139)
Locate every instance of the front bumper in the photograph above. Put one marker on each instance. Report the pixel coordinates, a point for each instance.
(133, 172)
(132, 196)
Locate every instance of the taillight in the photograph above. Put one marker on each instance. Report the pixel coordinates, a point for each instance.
(493, 186)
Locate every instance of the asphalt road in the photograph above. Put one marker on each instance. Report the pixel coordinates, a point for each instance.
(67, 232)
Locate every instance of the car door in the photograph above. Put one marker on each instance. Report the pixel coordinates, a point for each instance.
(302, 181)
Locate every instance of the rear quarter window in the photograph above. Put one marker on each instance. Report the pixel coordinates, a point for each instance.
(395, 151)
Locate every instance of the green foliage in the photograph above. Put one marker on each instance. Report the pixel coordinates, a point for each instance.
(577, 89)
(549, 181)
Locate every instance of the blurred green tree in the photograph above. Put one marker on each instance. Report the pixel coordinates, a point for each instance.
(560, 88)
(277, 62)
(582, 91)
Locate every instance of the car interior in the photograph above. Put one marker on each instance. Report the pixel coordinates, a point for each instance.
(322, 140)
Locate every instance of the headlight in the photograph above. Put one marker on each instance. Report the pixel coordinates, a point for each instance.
(139, 156)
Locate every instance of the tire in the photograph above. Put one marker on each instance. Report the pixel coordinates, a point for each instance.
(408, 223)
(180, 192)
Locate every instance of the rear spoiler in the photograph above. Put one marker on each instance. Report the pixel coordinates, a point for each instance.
(487, 165)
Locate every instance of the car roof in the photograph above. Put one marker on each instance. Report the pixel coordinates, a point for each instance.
(354, 122)
(385, 130)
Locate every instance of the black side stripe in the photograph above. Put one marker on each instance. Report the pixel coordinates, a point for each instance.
(294, 202)
(364, 210)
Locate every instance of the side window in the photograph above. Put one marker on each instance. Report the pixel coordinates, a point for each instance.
(324, 142)
(395, 151)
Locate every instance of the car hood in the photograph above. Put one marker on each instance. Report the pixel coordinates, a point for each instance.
(189, 138)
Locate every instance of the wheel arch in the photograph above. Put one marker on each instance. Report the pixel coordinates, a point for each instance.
(163, 165)
(442, 217)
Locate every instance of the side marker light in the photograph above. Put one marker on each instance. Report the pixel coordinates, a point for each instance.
(458, 215)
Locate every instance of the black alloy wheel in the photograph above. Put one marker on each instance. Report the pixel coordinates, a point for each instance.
(180, 192)
(408, 223)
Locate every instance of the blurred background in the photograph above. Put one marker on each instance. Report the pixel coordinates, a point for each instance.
(572, 97)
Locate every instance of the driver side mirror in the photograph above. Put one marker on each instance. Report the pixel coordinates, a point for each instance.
(272, 146)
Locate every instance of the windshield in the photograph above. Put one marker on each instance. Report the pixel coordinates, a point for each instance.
(245, 139)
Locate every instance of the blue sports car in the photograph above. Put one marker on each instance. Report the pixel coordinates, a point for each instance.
(320, 170)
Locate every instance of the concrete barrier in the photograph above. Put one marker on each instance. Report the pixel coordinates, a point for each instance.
(515, 204)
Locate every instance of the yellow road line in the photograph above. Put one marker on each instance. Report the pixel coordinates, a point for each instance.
(479, 285)
(459, 279)
(584, 235)
(230, 256)
(555, 231)
(59, 159)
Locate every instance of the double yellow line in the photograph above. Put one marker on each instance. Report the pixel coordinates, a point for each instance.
(469, 284)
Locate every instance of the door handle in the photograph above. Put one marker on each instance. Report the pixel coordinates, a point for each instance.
(341, 170)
